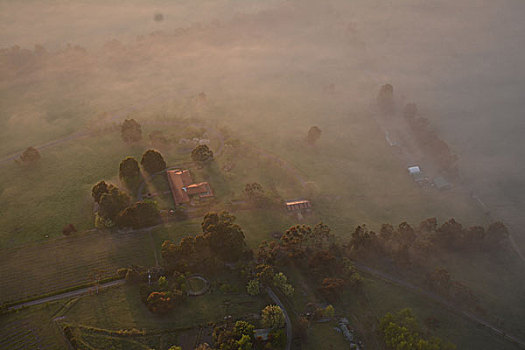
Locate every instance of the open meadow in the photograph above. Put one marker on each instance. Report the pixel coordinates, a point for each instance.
(249, 79)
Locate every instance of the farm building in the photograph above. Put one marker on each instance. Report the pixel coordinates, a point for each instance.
(298, 205)
(182, 187)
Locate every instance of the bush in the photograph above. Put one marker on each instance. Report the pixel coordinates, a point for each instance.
(122, 272)
(253, 287)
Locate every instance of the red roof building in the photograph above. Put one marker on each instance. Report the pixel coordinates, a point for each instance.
(182, 186)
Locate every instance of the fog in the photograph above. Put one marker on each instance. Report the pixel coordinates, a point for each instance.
(460, 62)
(271, 69)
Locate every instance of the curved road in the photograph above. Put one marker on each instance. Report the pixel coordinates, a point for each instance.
(276, 300)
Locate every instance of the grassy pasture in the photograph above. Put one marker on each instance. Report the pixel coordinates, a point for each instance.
(66, 262)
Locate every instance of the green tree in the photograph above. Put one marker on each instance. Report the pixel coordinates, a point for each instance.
(281, 282)
(253, 287)
(112, 203)
(272, 317)
(30, 155)
(131, 131)
(139, 215)
(129, 169)
(152, 162)
(313, 135)
(402, 331)
(201, 153)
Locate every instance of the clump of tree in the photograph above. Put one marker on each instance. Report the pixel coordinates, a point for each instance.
(239, 336)
(315, 251)
(161, 296)
(265, 275)
(139, 215)
(111, 201)
(257, 197)
(152, 162)
(131, 131)
(272, 316)
(314, 134)
(385, 99)
(30, 156)
(201, 154)
(221, 240)
(402, 330)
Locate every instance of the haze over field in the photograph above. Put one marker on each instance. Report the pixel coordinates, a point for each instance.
(461, 62)
(250, 78)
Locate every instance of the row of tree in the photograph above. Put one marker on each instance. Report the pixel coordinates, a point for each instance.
(406, 242)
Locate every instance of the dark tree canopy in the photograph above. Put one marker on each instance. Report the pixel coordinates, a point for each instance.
(313, 135)
(129, 169)
(131, 131)
(153, 162)
(99, 189)
(225, 238)
(30, 155)
(112, 203)
(139, 215)
(201, 153)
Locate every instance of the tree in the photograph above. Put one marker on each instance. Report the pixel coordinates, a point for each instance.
(321, 236)
(131, 131)
(175, 347)
(238, 337)
(30, 155)
(253, 287)
(402, 331)
(139, 215)
(255, 193)
(332, 288)
(68, 229)
(201, 153)
(313, 135)
(497, 232)
(152, 162)
(163, 302)
(99, 189)
(281, 282)
(112, 203)
(272, 317)
(292, 240)
(224, 237)
(265, 274)
(129, 169)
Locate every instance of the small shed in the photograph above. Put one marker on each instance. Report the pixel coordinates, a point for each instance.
(416, 173)
(298, 205)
